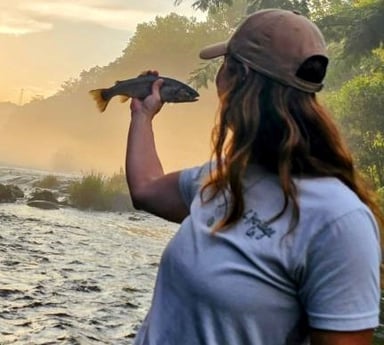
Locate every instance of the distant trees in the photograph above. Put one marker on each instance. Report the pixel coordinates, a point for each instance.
(204, 5)
(354, 84)
(355, 81)
(358, 25)
(359, 105)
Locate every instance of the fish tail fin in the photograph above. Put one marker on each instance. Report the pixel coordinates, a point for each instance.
(101, 102)
(123, 99)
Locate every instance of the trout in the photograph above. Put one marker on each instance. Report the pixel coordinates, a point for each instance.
(171, 90)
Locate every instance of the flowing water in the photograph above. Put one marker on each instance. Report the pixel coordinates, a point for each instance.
(75, 277)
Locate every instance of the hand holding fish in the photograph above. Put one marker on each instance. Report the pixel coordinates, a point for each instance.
(171, 90)
(151, 104)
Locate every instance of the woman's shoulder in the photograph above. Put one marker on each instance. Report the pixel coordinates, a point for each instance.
(326, 188)
(328, 198)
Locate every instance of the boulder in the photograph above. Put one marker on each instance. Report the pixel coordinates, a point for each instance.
(43, 194)
(16, 191)
(9, 193)
(43, 204)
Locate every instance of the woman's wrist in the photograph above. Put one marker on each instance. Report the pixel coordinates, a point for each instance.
(142, 115)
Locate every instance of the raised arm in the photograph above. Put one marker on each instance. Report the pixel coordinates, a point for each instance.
(151, 190)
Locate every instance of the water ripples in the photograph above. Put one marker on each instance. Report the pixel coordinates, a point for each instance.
(71, 277)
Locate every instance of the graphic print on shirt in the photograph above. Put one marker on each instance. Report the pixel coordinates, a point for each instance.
(219, 213)
(255, 227)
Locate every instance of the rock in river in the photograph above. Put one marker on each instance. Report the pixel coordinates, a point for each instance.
(43, 204)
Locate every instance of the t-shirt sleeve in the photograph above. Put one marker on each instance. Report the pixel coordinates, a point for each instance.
(190, 182)
(340, 289)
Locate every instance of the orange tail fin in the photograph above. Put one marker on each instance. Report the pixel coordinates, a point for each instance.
(98, 97)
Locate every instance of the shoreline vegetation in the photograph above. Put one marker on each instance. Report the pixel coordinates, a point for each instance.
(93, 191)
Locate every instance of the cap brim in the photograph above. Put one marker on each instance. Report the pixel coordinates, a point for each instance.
(213, 51)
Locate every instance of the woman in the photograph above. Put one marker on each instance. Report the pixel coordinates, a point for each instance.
(279, 243)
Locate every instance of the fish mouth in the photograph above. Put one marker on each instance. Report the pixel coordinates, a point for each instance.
(195, 97)
(186, 100)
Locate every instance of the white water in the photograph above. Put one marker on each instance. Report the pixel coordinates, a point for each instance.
(74, 277)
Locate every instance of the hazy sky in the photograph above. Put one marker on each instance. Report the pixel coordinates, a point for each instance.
(46, 42)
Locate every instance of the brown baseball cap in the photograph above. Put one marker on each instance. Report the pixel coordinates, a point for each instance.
(275, 43)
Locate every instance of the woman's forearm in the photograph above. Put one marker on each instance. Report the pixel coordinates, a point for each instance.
(150, 189)
(142, 162)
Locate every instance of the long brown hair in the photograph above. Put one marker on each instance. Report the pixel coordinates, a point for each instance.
(282, 129)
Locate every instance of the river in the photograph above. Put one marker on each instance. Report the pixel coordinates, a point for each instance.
(75, 277)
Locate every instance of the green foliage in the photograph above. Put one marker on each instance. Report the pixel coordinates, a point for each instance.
(206, 73)
(252, 5)
(88, 193)
(380, 194)
(223, 17)
(117, 183)
(358, 26)
(180, 39)
(226, 17)
(378, 338)
(358, 106)
(299, 5)
(49, 181)
(204, 5)
(97, 192)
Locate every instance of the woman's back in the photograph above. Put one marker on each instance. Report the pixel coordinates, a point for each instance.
(255, 283)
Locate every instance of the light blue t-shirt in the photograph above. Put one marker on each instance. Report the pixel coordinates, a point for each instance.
(254, 284)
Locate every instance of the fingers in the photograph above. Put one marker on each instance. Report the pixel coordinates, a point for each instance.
(149, 72)
(151, 104)
(156, 86)
(135, 104)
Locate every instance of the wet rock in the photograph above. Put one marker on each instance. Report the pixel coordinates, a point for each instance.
(16, 191)
(43, 204)
(6, 194)
(43, 194)
(9, 193)
(134, 218)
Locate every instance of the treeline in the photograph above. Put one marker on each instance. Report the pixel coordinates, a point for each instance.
(67, 129)
(354, 89)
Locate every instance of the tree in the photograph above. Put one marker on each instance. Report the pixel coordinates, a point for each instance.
(224, 16)
(204, 5)
(358, 25)
(359, 105)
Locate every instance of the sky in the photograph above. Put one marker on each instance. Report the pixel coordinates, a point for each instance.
(44, 43)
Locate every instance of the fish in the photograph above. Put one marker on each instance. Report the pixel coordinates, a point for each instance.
(172, 91)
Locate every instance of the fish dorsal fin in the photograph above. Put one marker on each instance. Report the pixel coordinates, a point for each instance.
(117, 82)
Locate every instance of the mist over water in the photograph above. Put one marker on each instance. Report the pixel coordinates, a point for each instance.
(67, 133)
